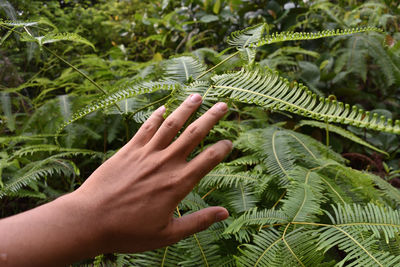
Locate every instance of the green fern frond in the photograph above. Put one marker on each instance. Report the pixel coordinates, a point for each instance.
(34, 171)
(278, 156)
(293, 36)
(56, 37)
(271, 91)
(21, 24)
(200, 249)
(273, 248)
(361, 249)
(192, 202)
(245, 37)
(342, 132)
(245, 160)
(21, 138)
(164, 257)
(379, 220)
(304, 196)
(29, 150)
(225, 176)
(108, 100)
(241, 197)
(389, 190)
(258, 218)
(184, 69)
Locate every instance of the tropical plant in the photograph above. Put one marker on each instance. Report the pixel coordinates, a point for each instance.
(292, 199)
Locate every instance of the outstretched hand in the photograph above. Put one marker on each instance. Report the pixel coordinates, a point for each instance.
(137, 190)
(127, 204)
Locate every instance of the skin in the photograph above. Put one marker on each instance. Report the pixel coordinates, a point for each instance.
(127, 204)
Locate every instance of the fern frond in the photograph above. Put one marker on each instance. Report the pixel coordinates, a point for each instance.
(21, 138)
(361, 249)
(278, 156)
(29, 150)
(379, 220)
(21, 24)
(184, 69)
(56, 37)
(200, 249)
(272, 248)
(192, 202)
(242, 197)
(342, 132)
(34, 171)
(265, 251)
(243, 38)
(271, 91)
(108, 100)
(293, 36)
(245, 160)
(304, 196)
(258, 218)
(225, 176)
(389, 190)
(164, 257)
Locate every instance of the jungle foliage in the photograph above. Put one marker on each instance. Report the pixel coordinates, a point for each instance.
(313, 90)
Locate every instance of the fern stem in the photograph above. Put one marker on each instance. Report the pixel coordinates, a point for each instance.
(209, 192)
(77, 70)
(279, 200)
(287, 245)
(150, 104)
(327, 134)
(216, 66)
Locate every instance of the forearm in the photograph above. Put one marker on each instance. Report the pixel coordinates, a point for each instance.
(54, 234)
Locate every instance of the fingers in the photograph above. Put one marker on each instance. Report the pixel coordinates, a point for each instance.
(198, 167)
(174, 122)
(148, 129)
(196, 222)
(198, 130)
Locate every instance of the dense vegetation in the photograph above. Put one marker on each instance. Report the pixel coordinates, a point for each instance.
(312, 179)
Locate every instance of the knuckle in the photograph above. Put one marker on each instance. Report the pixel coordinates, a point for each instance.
(172, 124)
(212, 154)
(172, 181)
(213, 112)
(203, 222)
(194, 130)
(148, 126)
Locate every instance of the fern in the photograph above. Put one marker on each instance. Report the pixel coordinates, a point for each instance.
(267, 89)
(342, 132)
(34, 171)
(184, 69)
(304, 196)
(292, 36)
(108, 100)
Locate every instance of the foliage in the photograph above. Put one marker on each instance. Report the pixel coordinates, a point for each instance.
(79, 77)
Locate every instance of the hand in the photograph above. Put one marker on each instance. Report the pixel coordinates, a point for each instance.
(133, 194)
(127, 204)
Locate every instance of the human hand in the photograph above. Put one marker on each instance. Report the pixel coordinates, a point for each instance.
(133, 195)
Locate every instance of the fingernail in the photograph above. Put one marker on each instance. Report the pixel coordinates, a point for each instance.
(160, 110)
(222, 106)
(220, 216)
(229, 143)
(195, 98)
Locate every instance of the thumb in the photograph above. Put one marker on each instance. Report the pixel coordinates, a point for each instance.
(197, 221)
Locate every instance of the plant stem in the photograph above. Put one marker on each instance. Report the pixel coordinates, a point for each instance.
(222, 62)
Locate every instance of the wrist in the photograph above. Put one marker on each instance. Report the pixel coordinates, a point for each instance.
(81, 217)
